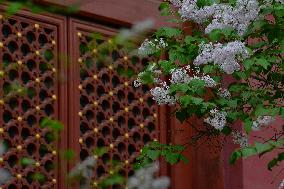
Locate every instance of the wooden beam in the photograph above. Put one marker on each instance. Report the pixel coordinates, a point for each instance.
(122, 12)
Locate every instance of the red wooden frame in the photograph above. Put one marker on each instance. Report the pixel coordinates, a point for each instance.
(60, 24)
(74, 26)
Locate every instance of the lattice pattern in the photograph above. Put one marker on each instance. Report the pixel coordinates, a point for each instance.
(28, 93)
(113, 113)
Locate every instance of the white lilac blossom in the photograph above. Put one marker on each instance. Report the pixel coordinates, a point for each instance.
(137, 29)
(262, 121)
(281, 186)
(190, 11)
(176, 3)
(84, 171)
(5, 174)
(151, 46)
(180, 75)
(224, 93)
(225, 56)
(238, 17)
(145, 179)
(209, 81)
(137, 82)
(269, 2)
(161, 94)
(223, 15)
(240, 138)
(146, 48)
(217, 119)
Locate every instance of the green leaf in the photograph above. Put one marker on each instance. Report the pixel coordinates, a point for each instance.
(282, 112)
(215, 35)
(281, 156)
(249, 151)
(248, 125)
(112, 180)
(183, 87)
(282, 46)
(189, 39)
(226, 130)
(209, 69)
(52, 124)
(27, 161)
(38, 177)
(197, 86)
(258, 148)
(179, 54)
(172, 158)
(237, 87)
(248, 63)
(188, 99)
(167, 66)
(203, 3)
(36, 9)
(185, 100)
(164, 8)
(261, 148)
(272, 164)
(235, 156)
(196, 100)
(181, 115)
(168, 32)
(100, 151)
(69, 154)
(260, 110)
(153, 154)
(262, 62)
(184, 159)
(232, 103)
(13, 8)
(146, 77)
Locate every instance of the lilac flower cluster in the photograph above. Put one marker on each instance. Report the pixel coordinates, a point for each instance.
(217, 119)
(262, 121)
(181, 75)
(222, 15)
(149, 47)
(161, 94)
(84, 171)
(224, 93)
(225, 56)
(281, 186)
(5, 174)
(240, 138)
(145, 179)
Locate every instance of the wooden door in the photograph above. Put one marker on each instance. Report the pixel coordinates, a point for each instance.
(31, 89)
(107, 111)
(46, 71)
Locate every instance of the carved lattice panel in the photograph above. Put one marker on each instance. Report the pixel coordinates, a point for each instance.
(111, 112)
(28, 93)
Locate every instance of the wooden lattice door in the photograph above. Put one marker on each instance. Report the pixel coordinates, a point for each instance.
(108, 111)
(41, 77)
(30, 89)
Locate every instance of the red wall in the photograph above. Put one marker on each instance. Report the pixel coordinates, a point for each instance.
(255, 172)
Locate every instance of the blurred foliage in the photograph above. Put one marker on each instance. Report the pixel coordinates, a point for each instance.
(36, 6)
(152, 151)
